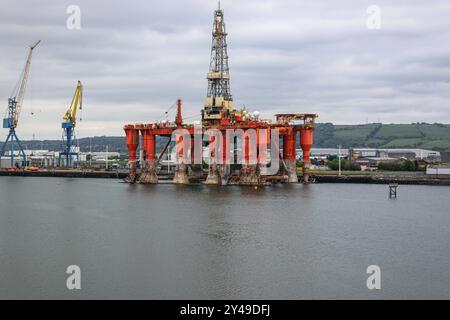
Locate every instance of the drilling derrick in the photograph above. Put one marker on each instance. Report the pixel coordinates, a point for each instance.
(218, 102)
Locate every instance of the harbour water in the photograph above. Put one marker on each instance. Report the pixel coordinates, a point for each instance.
(204, 242)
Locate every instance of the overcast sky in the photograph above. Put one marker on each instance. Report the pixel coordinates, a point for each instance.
(135, 58)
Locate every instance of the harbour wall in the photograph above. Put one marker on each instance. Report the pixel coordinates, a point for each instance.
(316, 178)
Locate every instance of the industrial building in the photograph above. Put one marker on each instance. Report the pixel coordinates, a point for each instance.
(51, 159)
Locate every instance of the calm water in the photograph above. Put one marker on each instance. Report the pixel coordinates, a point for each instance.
(203, 242)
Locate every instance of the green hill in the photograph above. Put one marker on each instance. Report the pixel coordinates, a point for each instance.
(417, 135)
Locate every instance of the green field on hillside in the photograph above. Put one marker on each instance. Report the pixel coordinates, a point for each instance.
(398, 131)
(349, 132)
(376, 135)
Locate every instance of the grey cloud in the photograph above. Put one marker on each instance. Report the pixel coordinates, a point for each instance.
(135, 58)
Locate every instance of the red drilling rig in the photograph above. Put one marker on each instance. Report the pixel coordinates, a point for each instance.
(230, 133)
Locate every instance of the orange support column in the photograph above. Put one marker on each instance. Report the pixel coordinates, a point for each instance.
(246, 147)
(132, 140)
(179, 148)
(306, 141)
(149, 150)
(263, 138)
(181, 176)
(289, 142)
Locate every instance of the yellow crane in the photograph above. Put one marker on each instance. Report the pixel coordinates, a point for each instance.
(69, 124)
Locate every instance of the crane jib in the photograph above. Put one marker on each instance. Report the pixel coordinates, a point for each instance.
(15, 103)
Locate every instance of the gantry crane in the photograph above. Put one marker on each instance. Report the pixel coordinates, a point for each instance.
(69, 123)
(14, 107)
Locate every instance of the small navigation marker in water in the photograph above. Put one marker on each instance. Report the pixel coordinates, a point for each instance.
(393, 190)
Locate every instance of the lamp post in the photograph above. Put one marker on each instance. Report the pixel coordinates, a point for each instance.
(90, 153)
(106, 158)
(339, 156)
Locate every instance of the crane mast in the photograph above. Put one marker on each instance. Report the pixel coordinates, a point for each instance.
(68, 125)
(15, 103)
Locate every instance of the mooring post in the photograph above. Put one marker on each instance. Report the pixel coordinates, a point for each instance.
(393, 190)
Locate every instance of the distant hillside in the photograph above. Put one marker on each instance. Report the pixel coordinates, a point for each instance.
(417, 135)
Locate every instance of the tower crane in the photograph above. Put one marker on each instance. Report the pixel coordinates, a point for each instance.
(68, 125)
(14, 107)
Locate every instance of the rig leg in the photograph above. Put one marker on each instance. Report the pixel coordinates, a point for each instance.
(132, 176)
(305, 177)
(291, 171)
(149, 175)
(306, 141)
(132, 140)
(289, 144)
(181, 176)
(224, 174)
(213, 175)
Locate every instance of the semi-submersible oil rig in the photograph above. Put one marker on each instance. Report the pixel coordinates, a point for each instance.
(239, 143)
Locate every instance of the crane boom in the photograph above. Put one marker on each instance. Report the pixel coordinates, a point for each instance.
(77, 102)
(23, 85)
